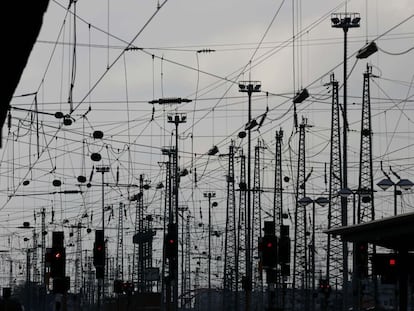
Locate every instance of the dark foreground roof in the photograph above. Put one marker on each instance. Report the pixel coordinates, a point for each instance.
(395, 232)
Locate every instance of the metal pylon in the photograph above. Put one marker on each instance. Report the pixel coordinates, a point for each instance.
(300, 259)
(78, 259)
(35, 267)
(278, 213)
(43, 246)
(229, 284)
(241, 267)
(119, 269)
(334, 258)
(138, 273)
(278, 190)
(365, 185)
(257, 225)
(186, 294)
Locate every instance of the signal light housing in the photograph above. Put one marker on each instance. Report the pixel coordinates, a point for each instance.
(99, 249)
(57, 256)
(269, 251)
(171, 242)
(361, 259)
(324, 287)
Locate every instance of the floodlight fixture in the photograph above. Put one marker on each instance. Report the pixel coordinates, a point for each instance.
(253, 123)
(335, 20)
(405, 184)
(177, 118)
(345, 192)
(345, 20)
(385, 184)
(305, 201)
(168, 150)
(102, 169)
(250, 86)
(356, 20)
(301, 96)
(213, 150)
(367, 50)
(209, 194)
(322, 201)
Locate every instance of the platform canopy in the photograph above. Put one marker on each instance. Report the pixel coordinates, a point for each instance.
(395, 232)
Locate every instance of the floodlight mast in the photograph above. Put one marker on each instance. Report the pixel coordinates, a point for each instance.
(101, 282)
(209, 195)
(345, 21)
(176, 119)
(249, 87)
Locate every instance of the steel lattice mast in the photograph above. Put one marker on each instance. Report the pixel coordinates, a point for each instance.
(169, 282)
(365, 185)
(119, 274)
(278, 212)
(278, 196)
(186, 294)
(334, 258)
(138, 273)
(78, 259)
(241, 267)
(142, 243)
(36, 272)
(166, 285)
(300, 264)
(230, 238)
(43, 246)
(257, 224)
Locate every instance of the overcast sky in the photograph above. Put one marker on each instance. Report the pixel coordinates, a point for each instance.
(248, 40)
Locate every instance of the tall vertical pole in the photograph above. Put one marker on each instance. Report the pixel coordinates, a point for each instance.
(209, 195)
(101, 282)
(43, 261)
(257, 274)
(176, 119)
(249, 87)
(300, 259)
(344, 201)
(230, 243)
(209, 251)
(313, 255)
(345, 21)
(241, 228)
(175, 268)
(103, 230)
(395, 199)
(334, 256)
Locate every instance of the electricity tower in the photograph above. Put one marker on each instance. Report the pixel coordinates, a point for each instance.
(334, 258)
(365, 185)
(230, 244)
(257, 225)
(78, 259)
(300, 298)
(278, 212)
(119, 269)
(278, 190)
(142, 242)
(186, 284)
(241, 277)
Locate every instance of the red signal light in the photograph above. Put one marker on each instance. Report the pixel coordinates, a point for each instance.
(269, 245)
(392, 262)
(58, 255)
(171, 241)
(99, 248)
